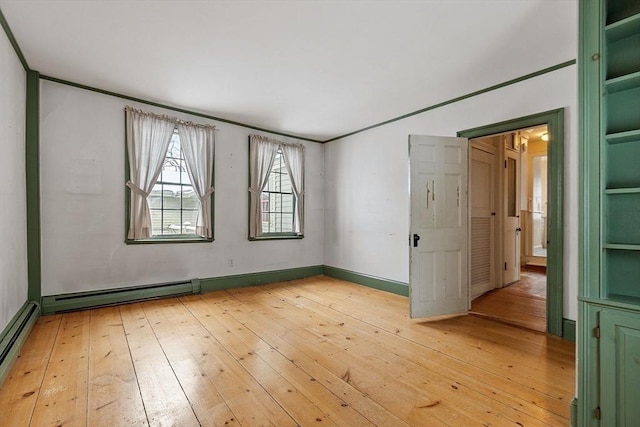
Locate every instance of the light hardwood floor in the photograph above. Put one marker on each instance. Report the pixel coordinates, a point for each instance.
(318, 351)
(523, 303)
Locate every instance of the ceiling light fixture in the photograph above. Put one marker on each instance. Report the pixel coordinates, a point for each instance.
(545, 136)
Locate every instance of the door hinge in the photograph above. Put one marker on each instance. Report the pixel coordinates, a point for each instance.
(597, 413)
(596, 332)
(505, 164)
(505, 266)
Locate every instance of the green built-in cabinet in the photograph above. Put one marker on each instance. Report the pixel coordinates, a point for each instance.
(609, 294)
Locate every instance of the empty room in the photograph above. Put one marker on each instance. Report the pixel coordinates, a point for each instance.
(295, 213)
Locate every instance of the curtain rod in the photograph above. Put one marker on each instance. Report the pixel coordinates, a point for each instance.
(169, 119)
(276, 141)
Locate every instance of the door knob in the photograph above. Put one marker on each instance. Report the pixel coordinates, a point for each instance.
(518, 229)
(415, 240)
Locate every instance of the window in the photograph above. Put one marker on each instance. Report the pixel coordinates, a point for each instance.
(278, 200)
(277, 189)
(173, 203)
(169, 179)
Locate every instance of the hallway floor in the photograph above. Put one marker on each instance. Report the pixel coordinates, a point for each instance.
(523, 303)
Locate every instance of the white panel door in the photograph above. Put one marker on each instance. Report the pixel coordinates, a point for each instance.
(439, 234)
(512, 217)
(483, 217)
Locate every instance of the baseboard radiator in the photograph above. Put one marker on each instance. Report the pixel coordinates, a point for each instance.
(14, 336)
(94, 299)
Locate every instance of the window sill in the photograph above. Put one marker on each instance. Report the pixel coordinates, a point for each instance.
(277, 237)
(161, 240)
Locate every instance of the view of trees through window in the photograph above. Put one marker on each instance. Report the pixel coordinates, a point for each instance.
(278, 200)
(173, 202)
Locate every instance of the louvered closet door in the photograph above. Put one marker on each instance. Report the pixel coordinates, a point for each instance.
(482, 221)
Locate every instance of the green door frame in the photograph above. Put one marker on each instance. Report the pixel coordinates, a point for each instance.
(554, 120)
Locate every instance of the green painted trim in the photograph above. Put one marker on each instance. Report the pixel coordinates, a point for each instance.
(177, 109)
(573, 418)
(569, 329)
(92, 299)
(13, 41)
(196, 287)
(554, 120)
(262, 278)
(589, 99)
(165, 240)
(460, 98)
(588, 368)
(590, 63)
(32, 164)
(392, 286)
(272, 237)
(14, 336)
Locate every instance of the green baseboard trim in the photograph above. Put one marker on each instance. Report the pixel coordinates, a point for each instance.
(392, 286)
(569, 329)
(92, 299)
(14, 335)
(573, 420)
(241, 280)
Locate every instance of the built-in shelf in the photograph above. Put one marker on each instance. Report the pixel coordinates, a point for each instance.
(621, 247)
(613, 301)
(629, 190)
(621, 137)
(623, 29)
(629, 300)
(623, 82)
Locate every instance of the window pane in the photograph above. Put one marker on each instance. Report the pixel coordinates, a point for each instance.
(155, 198)
(287, 203)
(174, 150)
(273, 220)
(171, 222)
(171, 197)
(189, 198)
(189, 221)
(274, 202)
(287, 223)
(156, 222)
(171, 171)
(184, 175)
(274, 181)
(285, 183)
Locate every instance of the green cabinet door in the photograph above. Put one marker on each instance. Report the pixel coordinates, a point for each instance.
(620, 368)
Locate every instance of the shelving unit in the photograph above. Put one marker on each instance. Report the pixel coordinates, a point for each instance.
(621, 145)
(609, 326)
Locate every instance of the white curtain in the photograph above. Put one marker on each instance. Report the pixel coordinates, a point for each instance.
(294, 160)
(262, 153)
(148, 137)
(197, 143)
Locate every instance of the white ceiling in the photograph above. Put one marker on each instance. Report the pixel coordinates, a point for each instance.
(316, 69)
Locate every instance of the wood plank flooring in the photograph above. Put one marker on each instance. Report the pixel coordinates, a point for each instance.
(523, 303)
(317, 351)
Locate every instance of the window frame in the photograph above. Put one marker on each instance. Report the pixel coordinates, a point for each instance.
(163, 239)
(269, 236)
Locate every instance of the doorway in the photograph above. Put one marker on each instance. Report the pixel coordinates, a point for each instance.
(524, 241)
(509, 206)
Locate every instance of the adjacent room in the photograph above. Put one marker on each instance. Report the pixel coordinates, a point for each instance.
(289, 213)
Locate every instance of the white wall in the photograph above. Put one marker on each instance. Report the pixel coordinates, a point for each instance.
(367, 196)
(83, 209)
(13, 216)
